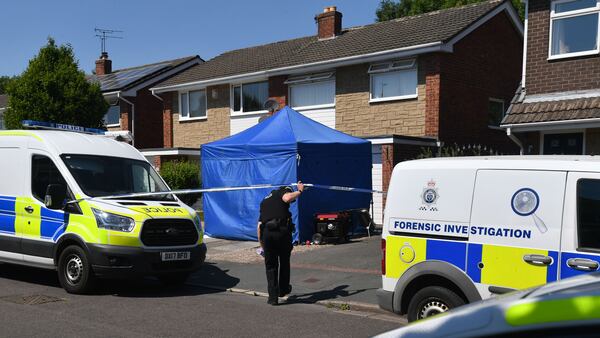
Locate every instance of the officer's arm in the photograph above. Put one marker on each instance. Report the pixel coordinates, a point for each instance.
(258, 234)
(290, 197)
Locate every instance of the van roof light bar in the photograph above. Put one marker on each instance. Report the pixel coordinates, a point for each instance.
(30, 124)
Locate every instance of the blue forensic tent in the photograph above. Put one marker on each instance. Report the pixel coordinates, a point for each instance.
(283, 149)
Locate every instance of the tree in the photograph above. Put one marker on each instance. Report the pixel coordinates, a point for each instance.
(53, 89)
(4, 81)
(390, 9)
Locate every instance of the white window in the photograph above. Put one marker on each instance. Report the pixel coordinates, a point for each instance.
(250, 97)
(574, 28)
(192, 105)
(394, 80)
(113, 116)
(312, 91)
(495, 112)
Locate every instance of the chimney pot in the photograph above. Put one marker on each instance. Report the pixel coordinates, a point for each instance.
(329, 23)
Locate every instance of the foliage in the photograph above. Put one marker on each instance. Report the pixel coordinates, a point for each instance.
(457, 150)
(391, 9)
(4, 81)
(182, 175)
(53, 89)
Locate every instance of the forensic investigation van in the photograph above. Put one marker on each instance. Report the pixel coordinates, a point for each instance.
(56, 211)
(458, 230)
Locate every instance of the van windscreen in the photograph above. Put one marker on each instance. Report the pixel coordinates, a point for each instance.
(104, 176)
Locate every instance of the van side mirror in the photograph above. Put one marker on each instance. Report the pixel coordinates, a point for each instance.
(55, 196)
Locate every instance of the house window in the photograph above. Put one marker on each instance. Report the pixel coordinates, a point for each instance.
(588, 214)
(312, 91)
(250, 97)
(563, 144)
(574, 28)
(394, 80)
(2, 121)
(192, 105)
(495, 111)
(112, 116)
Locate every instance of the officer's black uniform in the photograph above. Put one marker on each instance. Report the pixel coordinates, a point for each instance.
(276, 233)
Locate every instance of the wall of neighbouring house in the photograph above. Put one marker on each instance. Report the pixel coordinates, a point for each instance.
(356, 116)
(485, 64)
(148, 120)
(547, 76)
(192, 134)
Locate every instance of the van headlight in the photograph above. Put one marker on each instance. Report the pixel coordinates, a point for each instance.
(198, 223)
(106, 220)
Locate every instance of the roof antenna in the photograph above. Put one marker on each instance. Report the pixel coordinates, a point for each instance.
(105, 34)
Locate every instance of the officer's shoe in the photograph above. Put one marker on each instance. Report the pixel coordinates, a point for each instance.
(273, 301)
(287, 291)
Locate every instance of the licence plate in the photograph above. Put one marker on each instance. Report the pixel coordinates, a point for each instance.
(175, 256)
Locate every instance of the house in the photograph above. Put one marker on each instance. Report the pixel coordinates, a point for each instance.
(406, 84)
(3, 106)
(132, 105)
(557, 107)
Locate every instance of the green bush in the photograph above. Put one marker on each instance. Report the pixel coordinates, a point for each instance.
(182, 175)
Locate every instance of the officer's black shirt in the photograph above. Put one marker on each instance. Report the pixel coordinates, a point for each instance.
(273, 206)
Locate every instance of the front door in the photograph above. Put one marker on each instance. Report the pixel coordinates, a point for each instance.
(580, 246)
(563, 144)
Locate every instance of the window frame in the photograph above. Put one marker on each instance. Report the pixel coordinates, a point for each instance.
(188, 117)
(241, 112)
(31, 185)
(571, 14)
(393, 69)
(112, 125)
(308, 80)
(493, 99)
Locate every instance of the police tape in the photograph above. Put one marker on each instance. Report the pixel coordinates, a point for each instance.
(225, 189)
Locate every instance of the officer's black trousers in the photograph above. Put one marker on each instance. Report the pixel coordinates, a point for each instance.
(278, 247)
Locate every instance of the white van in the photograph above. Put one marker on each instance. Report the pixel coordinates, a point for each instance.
(458, 230)
(54, 214)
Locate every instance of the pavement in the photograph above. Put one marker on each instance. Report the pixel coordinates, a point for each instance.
(344, 276)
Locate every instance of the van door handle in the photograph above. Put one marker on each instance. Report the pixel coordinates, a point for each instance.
(537, 260)
(582, 264)
(29, 209)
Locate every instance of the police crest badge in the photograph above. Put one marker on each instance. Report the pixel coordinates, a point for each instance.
(429, 196)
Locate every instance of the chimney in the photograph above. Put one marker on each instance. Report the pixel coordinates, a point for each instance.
(329, 23)
(103, 64)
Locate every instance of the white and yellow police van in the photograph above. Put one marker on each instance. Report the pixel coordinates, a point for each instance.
(52, 214)
(463, 229)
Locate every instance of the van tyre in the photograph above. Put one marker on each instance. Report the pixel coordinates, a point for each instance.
(75, 272)
(432, 300)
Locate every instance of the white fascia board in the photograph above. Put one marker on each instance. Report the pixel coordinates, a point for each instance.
(170, 152)
(315, 66)
(553, 125)
(392, 140)
(132, 91)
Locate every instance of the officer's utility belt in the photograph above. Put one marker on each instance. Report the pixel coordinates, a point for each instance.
(278, 223)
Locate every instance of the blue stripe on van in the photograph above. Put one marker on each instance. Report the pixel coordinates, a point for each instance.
(7, 214)
(52, 222)
(552, 271)
(454, 253)
(473, 259)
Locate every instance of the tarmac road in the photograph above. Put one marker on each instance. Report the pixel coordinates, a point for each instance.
(145, 308)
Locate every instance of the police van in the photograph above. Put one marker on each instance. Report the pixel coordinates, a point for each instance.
(458, 230)
(53, 213)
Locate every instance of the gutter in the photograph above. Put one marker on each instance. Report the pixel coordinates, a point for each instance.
(515, 140)
(438, 46)
(132, 117)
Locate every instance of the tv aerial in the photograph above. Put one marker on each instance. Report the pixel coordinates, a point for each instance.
(105, 34)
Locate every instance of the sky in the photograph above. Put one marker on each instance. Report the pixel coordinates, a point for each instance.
(159, 30)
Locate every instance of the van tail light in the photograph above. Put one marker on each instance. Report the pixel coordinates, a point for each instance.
(383, 256)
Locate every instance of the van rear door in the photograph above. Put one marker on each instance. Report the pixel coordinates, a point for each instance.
(515, 228)
(580, 247)
(12, 176)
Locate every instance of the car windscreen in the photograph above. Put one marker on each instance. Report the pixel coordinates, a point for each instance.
(105, 176)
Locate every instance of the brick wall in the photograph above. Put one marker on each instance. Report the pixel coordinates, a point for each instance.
(192, 134)
(148, 120)
(592, 141)
(485, 64)
(544, 76)
(356, 116)
(278, 90)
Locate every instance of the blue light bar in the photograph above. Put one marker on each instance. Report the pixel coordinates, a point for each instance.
(59, 126)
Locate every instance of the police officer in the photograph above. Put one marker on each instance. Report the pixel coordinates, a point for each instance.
(275, 235)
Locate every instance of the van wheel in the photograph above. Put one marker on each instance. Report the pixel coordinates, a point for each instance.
(431, 301)
(75, 271)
